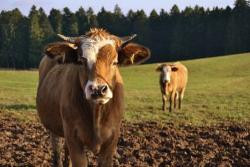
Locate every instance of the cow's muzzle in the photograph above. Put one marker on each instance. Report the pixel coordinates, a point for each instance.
(98, 93)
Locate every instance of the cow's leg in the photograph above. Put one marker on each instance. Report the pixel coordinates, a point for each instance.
(76, 152)
(164, 100)
(181, 97)
(107, 152)
(171, 101)
(56, 150)
(75, 147)
(66, 161)
(175, 100)
(180, 100)
(106, 158)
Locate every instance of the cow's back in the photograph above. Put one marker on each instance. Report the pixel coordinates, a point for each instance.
(181, 76)
(45, 66)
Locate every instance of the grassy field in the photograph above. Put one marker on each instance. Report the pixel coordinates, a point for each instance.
(217, 91)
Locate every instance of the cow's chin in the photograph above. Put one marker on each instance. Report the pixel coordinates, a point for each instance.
(101, 101)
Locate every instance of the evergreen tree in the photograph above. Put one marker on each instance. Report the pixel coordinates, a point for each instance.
(191, 33)
(119, 22)
(241, 4)
(118, 11)
(35, 37)
(13, 46)
(175, 10)
(176, 33)
(82, 21)
(46, 27)
(6, 35)
(55, 18)
(22, 42)
(113, 22)
(105, 19)
(238, 36)
(92, 19)
(70, 25)
(139, 25)
(155, 26)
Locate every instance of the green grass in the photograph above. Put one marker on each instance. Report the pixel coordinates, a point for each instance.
(218, 91)
(17, 94)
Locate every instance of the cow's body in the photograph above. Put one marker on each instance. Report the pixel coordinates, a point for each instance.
(60, 96)
(73, 103)
(173, 81)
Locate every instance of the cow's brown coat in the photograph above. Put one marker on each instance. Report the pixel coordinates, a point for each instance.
(61, 102)
(174, 89)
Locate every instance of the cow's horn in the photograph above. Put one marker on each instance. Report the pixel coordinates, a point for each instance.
(125, 40)
(68, 39)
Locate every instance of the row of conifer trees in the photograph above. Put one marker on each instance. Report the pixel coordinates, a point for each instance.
(174, 35)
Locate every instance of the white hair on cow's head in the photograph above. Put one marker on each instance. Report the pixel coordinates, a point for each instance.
(166, 74)
(91, 46)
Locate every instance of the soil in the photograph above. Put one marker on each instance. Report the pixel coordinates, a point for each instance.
(140, 144)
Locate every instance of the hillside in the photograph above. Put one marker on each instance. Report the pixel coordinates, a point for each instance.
(217, 91)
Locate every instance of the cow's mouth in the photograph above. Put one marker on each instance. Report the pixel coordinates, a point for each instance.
(101, 101)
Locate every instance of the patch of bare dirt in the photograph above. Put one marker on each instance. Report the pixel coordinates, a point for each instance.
(140, 144)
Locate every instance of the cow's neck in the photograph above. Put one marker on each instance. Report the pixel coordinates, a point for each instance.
(97, 117)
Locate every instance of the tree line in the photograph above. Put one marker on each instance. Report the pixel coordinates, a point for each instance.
(175, 35)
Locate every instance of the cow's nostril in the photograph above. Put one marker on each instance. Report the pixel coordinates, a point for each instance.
(94, 95)
(91, 88)
(98, 91)
(104, 89)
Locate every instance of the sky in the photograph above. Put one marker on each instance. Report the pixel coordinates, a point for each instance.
(125, 5)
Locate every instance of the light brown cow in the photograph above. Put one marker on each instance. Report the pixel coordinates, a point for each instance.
(80, 92)
(173, 81)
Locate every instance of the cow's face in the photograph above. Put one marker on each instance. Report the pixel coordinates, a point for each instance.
(101, 53)
(166, 71)
(101, 75)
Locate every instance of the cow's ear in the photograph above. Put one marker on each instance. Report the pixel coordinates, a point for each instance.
(133, 54)
(159, 67)
(174, 68)
(63, 52)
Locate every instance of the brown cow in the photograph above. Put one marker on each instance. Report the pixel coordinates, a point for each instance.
(173, 81)
(80, 92)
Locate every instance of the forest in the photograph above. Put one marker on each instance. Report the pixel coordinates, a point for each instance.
(193, 32)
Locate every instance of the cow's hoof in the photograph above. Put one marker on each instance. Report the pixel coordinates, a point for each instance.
(117, 155)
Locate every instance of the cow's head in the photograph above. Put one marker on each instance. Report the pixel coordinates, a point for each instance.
(166, 70)
(101, 53)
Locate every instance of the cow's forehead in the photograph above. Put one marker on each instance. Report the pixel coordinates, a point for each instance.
(91, 46)
(166, 68)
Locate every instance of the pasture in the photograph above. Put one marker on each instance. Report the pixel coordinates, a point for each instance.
(217, 91)
(212, 128)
